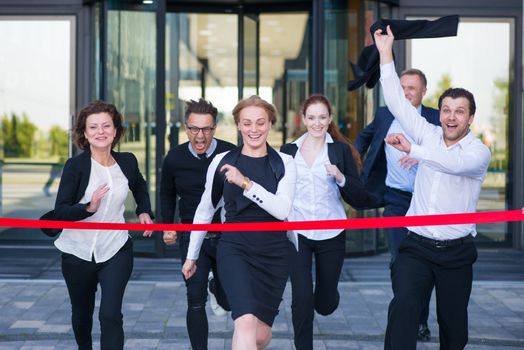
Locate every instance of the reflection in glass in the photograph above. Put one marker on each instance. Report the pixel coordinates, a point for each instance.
(131, 85)
(346, 33)
(284, 65)
(36, 93)
(201, 61)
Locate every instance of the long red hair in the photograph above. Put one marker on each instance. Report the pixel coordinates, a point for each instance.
(333, 129)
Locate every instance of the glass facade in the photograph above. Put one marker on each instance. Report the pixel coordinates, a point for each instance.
(130, 84)
(36, 103)
(346, 33)
(225, 51)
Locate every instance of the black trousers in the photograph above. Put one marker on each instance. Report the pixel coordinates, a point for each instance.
(329, 257)
(420, 265)
(82, 278)
(396, 203)
(196, 287)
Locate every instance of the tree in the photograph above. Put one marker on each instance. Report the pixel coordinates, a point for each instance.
(443, 84)
(59, 140)
(18, 135)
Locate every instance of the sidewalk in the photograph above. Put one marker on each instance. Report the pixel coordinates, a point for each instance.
(35, 314)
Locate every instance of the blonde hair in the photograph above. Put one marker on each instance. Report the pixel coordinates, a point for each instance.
(255, 101)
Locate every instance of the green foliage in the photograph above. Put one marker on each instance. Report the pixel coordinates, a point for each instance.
(443, 84)
(18, 135)
(501, 98)
(59, 140)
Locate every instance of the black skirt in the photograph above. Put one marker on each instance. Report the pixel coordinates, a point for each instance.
(253, 266)
(254, 279)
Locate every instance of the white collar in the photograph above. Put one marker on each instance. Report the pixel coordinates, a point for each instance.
(300, 140)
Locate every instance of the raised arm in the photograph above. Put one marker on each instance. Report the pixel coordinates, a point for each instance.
(416, 126)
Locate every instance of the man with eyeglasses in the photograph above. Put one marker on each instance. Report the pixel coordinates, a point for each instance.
(183, 176)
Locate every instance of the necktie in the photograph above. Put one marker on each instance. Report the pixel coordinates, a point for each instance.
(202, 156)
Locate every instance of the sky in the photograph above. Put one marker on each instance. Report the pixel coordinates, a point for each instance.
(35, 65)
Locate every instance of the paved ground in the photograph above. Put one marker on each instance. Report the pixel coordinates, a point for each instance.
(35, 315)
(35, 310)
(34, 307)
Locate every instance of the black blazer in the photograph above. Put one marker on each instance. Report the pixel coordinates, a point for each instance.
(370, 142)
(75, 178)
(367, 69)
(339, 154)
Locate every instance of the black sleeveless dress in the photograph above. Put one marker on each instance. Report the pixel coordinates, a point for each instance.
(253, 266)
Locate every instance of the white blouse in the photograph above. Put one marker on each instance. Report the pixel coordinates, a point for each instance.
(101, 245)
(317, 195)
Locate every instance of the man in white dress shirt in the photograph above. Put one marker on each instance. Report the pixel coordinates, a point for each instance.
(452, 167)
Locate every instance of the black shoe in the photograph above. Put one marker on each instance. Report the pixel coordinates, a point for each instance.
(424, 334)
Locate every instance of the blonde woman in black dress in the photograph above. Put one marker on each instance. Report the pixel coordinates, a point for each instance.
(256, 184)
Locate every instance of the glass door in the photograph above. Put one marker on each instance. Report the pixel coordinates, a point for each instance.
(201, 61)
(284, 55)
(131, 86)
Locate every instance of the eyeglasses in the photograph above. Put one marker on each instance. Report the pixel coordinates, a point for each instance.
(195, 130)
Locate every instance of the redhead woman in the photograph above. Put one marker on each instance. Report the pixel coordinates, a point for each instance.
(93, 187)
(327, 169)
(256, 184)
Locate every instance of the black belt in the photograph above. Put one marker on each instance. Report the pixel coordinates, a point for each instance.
(396, 190)
(441, 243)
(212, 235)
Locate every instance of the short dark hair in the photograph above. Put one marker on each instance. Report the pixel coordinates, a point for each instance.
(201, 107)
(414, 71)
(457, 93)
(96, 107)
(255, 101)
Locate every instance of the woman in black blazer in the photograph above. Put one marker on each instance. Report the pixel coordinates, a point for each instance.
(93, 187)
(327, 169)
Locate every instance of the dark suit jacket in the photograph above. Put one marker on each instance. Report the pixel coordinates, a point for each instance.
(75, 179)
(367, 69)
(339, 154)
(371, 141)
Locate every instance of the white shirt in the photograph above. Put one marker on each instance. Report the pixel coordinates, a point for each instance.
(449, 179)
(276, 204)
(317, 195)
(101, 245)
(397, 176)
(212, 147)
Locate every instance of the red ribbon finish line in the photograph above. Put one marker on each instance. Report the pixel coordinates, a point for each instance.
(350, 224)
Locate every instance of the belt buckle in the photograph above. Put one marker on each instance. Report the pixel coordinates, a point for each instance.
(440, 244)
